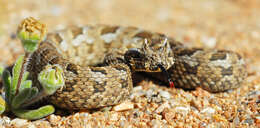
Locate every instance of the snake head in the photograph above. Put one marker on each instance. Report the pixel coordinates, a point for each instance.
(153, 56)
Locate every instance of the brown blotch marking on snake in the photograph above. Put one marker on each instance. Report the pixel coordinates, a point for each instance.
(161, 36)
(190, 69)
(99, 70)
(227, 71)
(44, 52)
(54, 60)
(124, 83)
(173, 43)
(70, 82)
(109, 29)
(120, 68)
(99, 88)
(222, 86)
(144, 34)
(76, 31)
(188, 52)
(72, 68)
(220, 55)
(128, 30)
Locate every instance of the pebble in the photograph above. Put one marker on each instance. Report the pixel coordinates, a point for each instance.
(114, 117)
(208, 110)
(123, 106)
(183, 110)
(165, 94)
(249, 121)
(162, 107)
(19, 122)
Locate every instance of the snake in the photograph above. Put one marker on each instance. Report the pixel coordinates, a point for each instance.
(99, 62)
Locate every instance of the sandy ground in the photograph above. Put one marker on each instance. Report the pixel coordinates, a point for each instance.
(221, 24)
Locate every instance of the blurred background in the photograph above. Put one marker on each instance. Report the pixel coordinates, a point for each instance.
(224, 24)
(221, 24)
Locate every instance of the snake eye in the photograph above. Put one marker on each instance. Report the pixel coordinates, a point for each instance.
(133, 53)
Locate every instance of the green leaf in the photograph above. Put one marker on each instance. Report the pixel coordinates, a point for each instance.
(36, 113)
(1, 70)
(23, 96)
(7, 84)
(25, 84)
(34, 93)
(16, 72)
(25, 76)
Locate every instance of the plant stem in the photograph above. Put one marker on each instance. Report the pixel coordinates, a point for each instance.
(21, 72)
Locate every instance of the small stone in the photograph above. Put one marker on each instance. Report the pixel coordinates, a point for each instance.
(5, 120)
(138, 105)
(165, 94)
(249, 121)
(149, 93)
(196, 103)
(31, 126)
(19, 122)
(208, 110)
(137, 88)
(155, 123)
(124, 106)
(114, 117)
(162, 107)
(54, 119)
(183, 110)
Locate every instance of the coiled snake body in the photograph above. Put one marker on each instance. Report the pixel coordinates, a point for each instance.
(121, 51)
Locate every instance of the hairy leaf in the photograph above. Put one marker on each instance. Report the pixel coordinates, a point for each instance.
(23, 96)
(36, 113)
(7, 84)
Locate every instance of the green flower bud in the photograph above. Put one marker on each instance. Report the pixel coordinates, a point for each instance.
(51, 78)
(31, 32)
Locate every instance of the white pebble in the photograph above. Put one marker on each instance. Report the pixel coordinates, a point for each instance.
(165, 94)
(124, 106)
(208, 110)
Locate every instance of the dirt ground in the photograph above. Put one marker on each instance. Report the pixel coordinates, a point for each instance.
(221, 24)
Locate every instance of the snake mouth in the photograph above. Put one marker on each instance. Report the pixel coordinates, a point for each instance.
(167, 75)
